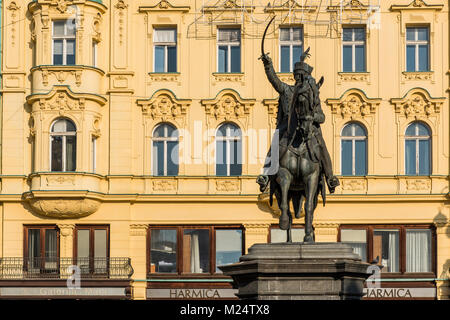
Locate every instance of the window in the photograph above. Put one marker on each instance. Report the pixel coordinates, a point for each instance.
(94, 154)
(92, 248)
(229, 50)
(63, 145)
(193, 249)
(353, 50)
(357, 239)
(94, 53)
(277, 235)
(228, 150)
(417, 150)
(64, 35)
(41, 249)
(291, 47)
(399, 249)
(165, 150)
(165, 50)
(353, 150)
(417, 49)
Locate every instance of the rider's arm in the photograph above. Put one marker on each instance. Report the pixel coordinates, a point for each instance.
(277, 84)
(319, 117)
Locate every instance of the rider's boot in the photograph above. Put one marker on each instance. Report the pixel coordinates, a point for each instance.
(332, 183)
(263, 181)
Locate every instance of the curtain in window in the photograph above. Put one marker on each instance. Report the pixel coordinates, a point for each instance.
(162, 35)
(393, 252)
(34, 248)
(195, 254)
(229, 35)
(418, 251)
(50, 249)
(360, 249)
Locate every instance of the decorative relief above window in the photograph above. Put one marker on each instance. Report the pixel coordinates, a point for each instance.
(417, 104)
(354, 104)
(228, 106)
(165, 106)
(227, 185)
(353, 77)
(421, 76)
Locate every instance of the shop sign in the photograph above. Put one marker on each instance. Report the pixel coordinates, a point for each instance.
(191, 293)
(61, 291)
(403, 293)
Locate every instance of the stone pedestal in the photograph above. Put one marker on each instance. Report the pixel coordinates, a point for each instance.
(297, 271)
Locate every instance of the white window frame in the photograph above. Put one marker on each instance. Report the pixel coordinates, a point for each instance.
(64, 136)
(354, 138)
(291, 43)
(228, 138)
(228, 44)
(164, 139)
(165, 45)
(354, 43)
(416, 44)
(418, 138)
(64, 38)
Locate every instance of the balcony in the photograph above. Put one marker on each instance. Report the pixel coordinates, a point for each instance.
(12, 268)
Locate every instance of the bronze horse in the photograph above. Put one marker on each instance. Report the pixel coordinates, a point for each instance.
(300, 177)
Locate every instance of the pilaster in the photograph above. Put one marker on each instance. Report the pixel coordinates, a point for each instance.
(443, 259)
(138, 254)
(66, 239)
(326, 232)
(255, 233)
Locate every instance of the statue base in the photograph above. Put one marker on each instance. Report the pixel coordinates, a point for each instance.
(299, 271)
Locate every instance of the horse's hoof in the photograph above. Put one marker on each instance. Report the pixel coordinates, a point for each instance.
(284, 223)
(308, 239)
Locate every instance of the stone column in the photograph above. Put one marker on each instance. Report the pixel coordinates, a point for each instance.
(443, 259)
(138, 255)
(66, 239)
(255, 233)
(326, 232)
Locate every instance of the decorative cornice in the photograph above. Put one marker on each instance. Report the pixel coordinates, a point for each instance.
(417, 103)
(164, 106)
(138, 229)
(227, 105)
(64, 98)
(164, 5)
(354, 104)
(417, 4)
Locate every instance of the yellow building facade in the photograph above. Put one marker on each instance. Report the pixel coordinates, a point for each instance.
(133, 132)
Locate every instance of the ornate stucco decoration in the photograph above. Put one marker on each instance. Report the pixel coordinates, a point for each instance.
(138, 229)
(226, 185)
(272, 110)
(417, 104)
(164, 185)
(165, 106)
(228, 106)
(62, 100)
(353, 184)
(296, 7)
(165, 5)
(62, 206)
(353, 104)
(14, 11)
(228, 77)
(353, 77)
(418, 185)
(416, 4)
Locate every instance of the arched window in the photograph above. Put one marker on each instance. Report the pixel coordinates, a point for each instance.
(417, 149)
(165, 150)
(228, 150)
(353, 150)
(63, 144)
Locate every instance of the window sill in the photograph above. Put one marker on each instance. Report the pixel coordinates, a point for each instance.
(228, 77)
(418, 75)
(354, 76)
(165, 76)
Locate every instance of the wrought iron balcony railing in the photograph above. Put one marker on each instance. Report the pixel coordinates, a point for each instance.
(63, 268)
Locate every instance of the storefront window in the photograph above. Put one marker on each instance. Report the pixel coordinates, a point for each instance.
(193, 250)
(398, 249)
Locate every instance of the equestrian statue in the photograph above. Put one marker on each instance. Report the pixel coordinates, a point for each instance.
(300, 167)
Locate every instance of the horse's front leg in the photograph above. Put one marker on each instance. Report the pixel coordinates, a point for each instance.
(284, 180)
(311, 184)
